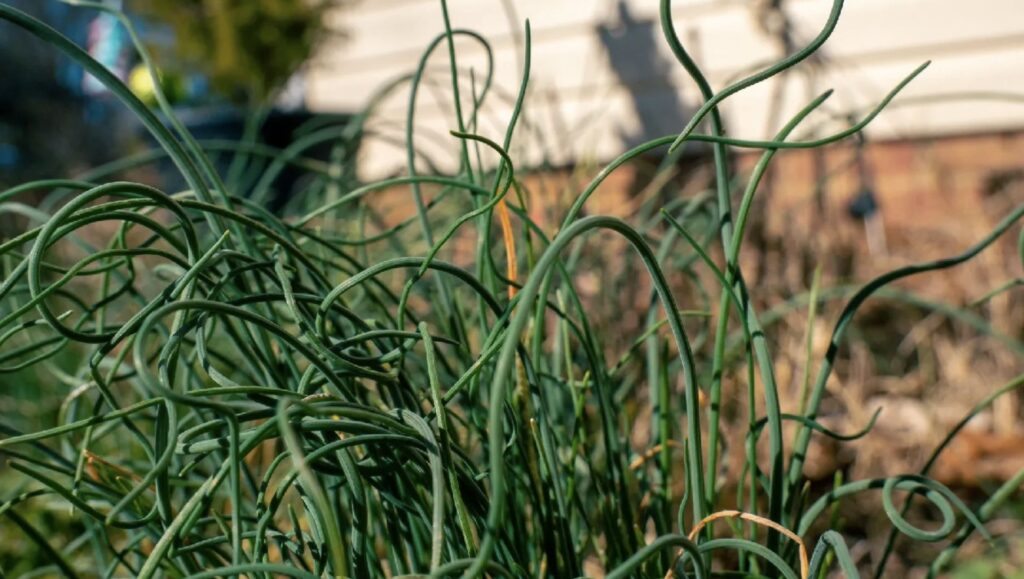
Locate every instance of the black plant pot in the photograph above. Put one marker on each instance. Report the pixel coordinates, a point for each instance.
(221, 125)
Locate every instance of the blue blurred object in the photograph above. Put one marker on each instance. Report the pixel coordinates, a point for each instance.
(108, 43)
(864, 204)
(9, 155)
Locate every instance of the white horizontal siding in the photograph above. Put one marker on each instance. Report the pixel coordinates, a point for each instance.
(977, 47)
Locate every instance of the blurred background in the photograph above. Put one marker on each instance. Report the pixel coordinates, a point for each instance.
(931, 175)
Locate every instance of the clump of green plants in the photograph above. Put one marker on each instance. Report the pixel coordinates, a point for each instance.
(322, 393)
(248, 49)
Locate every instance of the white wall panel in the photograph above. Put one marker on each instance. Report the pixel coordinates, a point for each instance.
(587, 107)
